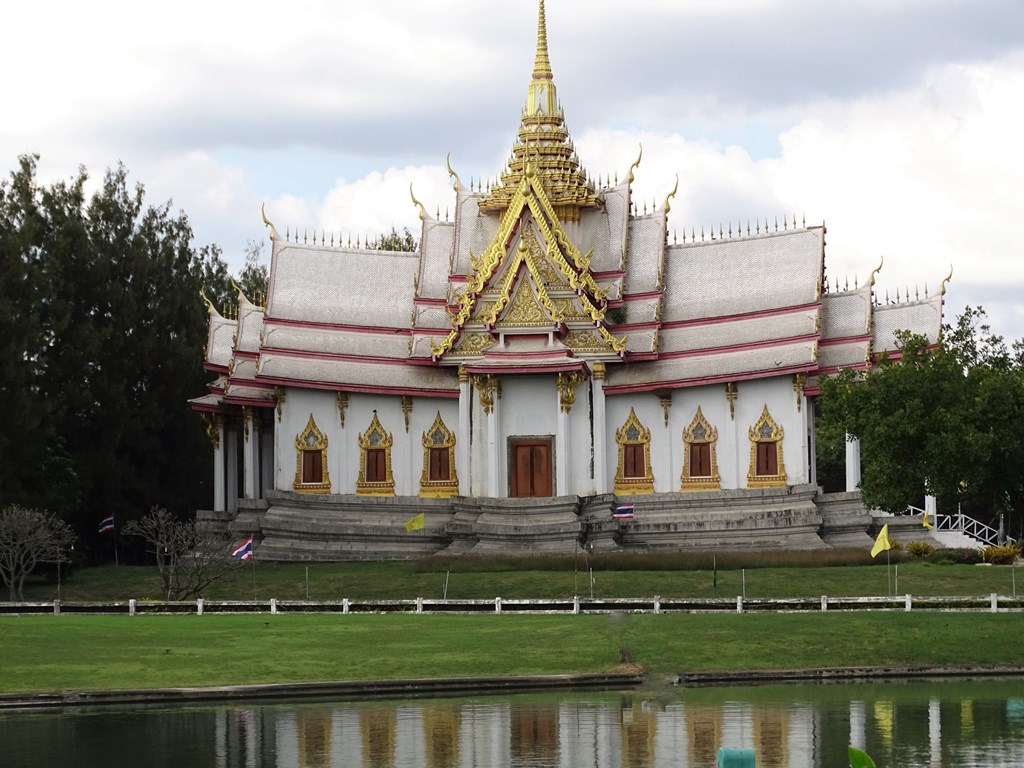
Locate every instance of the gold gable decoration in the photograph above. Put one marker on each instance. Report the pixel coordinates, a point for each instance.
(633, 474)
(439, 443)
(375, 476)
(766, 437)
(311, 449)
(700, 433)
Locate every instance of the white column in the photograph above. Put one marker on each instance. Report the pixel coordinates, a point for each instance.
(852, 463)
(231, 451)
(600, 430)
(812, 445)
(493, 437)
(250, 456)
(464, 435)
(218, 468)
(930, 507)
(267, 478)
(561, 447)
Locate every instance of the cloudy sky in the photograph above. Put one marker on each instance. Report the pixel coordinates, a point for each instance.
(896, 122)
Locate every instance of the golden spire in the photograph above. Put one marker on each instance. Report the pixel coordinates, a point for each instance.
(541, 65)
(543, 143)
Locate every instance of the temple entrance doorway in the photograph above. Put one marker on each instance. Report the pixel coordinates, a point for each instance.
(530, 468)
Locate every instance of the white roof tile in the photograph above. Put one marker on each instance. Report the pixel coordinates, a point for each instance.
(342, 372)
(336, 341)
(737, 332)
(923, 317)
(646, 253)
(220, 342)
(845, 314)
(695, 368)
(741, 275)
(343, 286)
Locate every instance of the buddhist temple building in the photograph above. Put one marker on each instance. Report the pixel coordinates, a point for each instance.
(545, 357)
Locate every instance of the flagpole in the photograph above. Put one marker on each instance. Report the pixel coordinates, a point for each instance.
(888, 573)
(116, 563)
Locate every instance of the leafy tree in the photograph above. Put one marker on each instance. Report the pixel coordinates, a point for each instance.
(947, 421)
(103, 331)
(27, 538)
(189, 555)
(394, 241)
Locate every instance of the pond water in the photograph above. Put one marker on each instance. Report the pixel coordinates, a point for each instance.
(937, 725)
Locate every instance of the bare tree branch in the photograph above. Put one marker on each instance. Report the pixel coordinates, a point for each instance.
(29, 537)
(189, 555)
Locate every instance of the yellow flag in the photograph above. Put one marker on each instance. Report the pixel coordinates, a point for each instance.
(416, 523)
(882, 542)
(926, 522)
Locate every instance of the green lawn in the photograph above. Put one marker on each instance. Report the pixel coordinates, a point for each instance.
(398, 580)
(46, 652)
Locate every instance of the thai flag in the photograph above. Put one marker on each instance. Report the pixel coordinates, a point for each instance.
(243, 550)
(623, 512)
(107, 524)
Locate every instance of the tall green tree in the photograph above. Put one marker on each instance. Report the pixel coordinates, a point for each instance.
(103, 320)
(945, 420)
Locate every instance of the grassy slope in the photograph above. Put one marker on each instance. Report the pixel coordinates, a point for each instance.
(39, 653)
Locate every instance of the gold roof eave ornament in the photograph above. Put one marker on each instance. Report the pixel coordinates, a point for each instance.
(210, 309)
(418, 204)
(636, 164)
(267, 222)
(452, 173)
(946, 279)
(666, 207)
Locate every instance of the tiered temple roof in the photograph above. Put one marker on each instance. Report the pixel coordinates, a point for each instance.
(546, 270)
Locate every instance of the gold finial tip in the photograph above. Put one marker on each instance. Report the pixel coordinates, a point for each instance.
(541, 64)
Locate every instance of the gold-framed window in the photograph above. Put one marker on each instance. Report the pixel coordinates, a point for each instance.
(633, 474)
(311, 473)
(700, 459)
(767, 469)
(439, 479)
(375, 476)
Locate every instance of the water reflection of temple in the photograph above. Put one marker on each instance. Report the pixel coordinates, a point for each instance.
(627, 731)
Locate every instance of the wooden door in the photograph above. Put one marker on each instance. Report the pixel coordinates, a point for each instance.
(530, 468)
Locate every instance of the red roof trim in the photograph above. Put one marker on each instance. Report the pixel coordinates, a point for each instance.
(846, 340)
(331, 356)
(789, 340)
(334, 326)
(683, 383)
(627, 297)
(742, 316)
(366, 388)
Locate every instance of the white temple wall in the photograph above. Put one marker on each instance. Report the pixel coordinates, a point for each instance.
(343, 442)
(714, 406)
(295, 412)
(781, 399)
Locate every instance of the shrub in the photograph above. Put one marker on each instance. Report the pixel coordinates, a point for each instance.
(1004, 554)
(919, 549)
(955, 556)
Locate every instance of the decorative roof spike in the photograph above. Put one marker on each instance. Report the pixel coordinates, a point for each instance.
(720, 235)
(349, 239)
(804, 225)
(616, 178)
(856, 282)
(675, 237)
(887, 296)
(288, 232)
(730, 229)
(693, 235)
(446, 213)
(846, 283)
(785, 221)
(748, 227)
(645, 207)
(757, 226)
(917, 293)
(776, 223)
(357, 241)
(305, 237)
(926, 290)
(702, 233)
